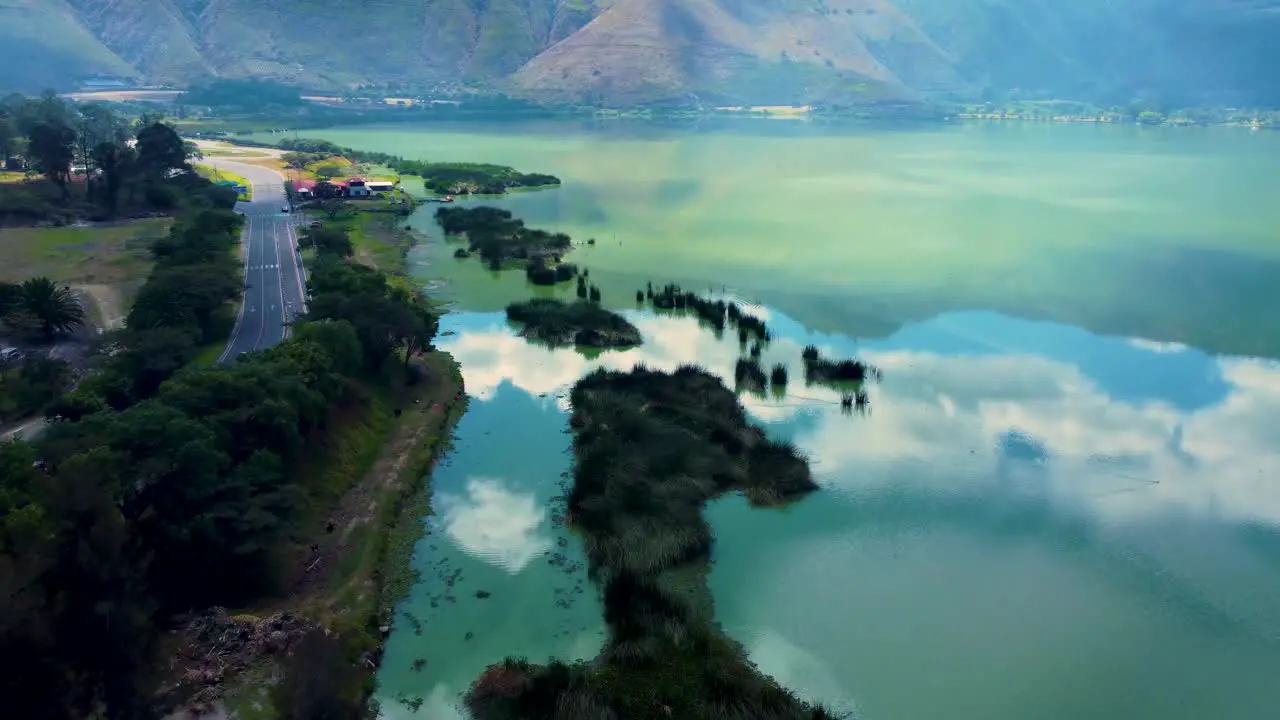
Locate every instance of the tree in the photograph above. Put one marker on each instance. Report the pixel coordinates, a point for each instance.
(94, 124)
(73, 406)
(115, 160)
(299, 160)
(8, 137)
(10, 297)
(332, 241)
(329, 172)
(186, 296)
(52, 147)
(76, 629)
(334, 207)
(160, 149)
(423, 331)
(54, 308)
(153, 355)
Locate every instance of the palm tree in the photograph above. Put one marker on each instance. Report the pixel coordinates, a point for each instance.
(53, 307)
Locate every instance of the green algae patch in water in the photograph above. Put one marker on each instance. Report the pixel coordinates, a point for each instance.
(651, 449)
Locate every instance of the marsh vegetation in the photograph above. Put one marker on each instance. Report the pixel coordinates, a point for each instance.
(651, 448)
(547, 271)
(748, 376)
(716, 314)
(497, 236)
(819, 370)
(560, 324)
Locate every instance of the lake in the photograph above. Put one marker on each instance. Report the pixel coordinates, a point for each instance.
(1064, 501)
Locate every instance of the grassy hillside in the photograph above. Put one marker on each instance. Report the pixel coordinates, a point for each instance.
(154, 35)
(728, 51)
(43, 44)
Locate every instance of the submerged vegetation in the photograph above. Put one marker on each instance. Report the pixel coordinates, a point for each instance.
(540, 273)
(651, 449)
(748, 376)
(560, 324)
(821, 370)
(717, 314)
(498, 236)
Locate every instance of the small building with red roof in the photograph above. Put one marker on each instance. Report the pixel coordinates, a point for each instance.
(356, 187)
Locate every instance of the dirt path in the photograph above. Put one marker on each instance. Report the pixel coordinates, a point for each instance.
(426, 412)
(109, 303)
(23, 430)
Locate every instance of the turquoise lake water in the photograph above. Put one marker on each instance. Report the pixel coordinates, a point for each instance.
(1064, 501)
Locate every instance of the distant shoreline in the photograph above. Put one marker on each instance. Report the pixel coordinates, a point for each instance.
(1085, 120)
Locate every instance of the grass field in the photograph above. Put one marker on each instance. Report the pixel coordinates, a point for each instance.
(109, 261)
(221, 175)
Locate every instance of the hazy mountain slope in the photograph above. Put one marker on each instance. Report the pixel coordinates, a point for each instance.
(42, 43)
(621, 51)
(150, 34)
(357, 41)
(1185, 51)
(762, 51)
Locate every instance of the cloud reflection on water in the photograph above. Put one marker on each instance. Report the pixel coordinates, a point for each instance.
(1103, 433)
(495, 523)
(940, 419)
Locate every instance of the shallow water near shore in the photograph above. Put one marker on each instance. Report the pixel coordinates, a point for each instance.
(1053, 526)
(1065, 499)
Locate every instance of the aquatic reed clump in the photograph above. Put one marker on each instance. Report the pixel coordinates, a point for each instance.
(559, 324)
(497, 235)
(778, 376)
(822, 370)
(754, 326)
(565, 271)
(538, 273)
(672, 298)
(651, 449)
(748, 376)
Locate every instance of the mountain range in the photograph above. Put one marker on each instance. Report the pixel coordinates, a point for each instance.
(622, 52)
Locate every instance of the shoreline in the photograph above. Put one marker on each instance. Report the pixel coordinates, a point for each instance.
(382, 451)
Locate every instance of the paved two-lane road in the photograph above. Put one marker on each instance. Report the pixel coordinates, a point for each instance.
(275, 281)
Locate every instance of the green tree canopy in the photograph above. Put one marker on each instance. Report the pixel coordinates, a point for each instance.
(53, 308)
(52, 148)
(160, 149)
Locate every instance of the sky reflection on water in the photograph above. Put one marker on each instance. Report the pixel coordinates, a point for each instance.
(1019, 492)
